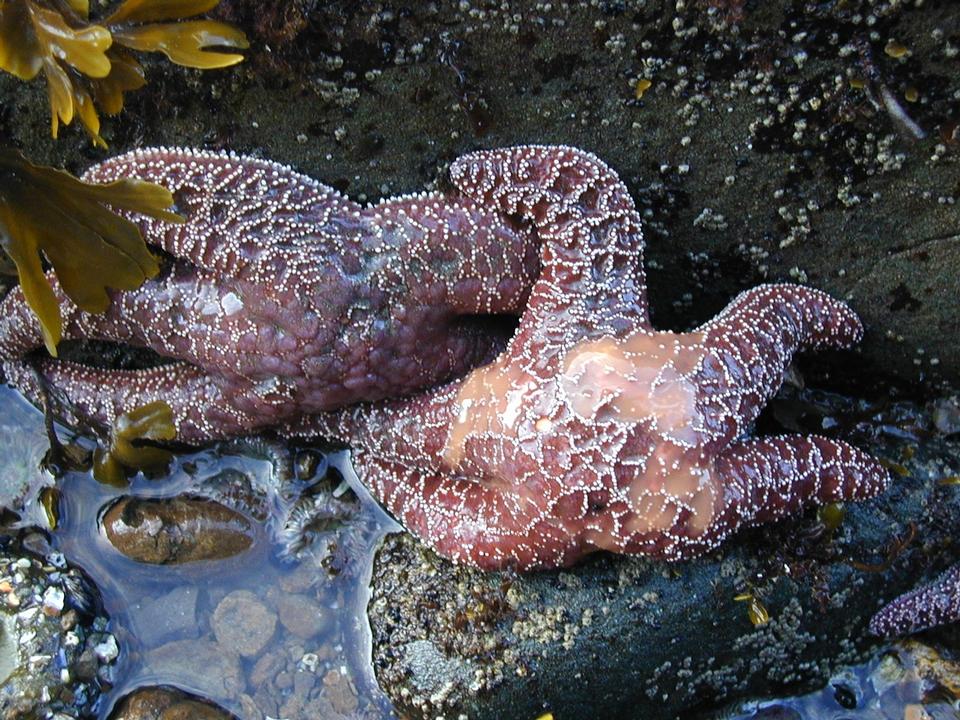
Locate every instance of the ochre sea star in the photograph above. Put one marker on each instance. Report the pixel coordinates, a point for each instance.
(936, 603)
(593, 430)
(590, 431)
(283, 297)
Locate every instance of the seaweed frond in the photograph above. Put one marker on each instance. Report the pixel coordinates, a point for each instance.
(89, 65)
(91, 248)
(131, 444)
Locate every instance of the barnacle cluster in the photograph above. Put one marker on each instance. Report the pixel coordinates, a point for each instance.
(90, 65)
(50, 211)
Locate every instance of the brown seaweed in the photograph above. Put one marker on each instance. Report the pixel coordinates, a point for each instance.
(89, 65)
(48, 213)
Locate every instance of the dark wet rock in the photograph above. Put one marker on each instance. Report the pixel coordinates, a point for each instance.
(242, 624)
(55, 657)
(162, 703)
(627, 637)
(202, 666)
(175, 530)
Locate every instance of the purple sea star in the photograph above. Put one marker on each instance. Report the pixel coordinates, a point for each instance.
(283, 297)
(593, 430)
(936, 603)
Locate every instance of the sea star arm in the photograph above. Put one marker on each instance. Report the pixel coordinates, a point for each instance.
(749, 345)
(236, 208)
(201, 407)
(591, 240)
(764, 479)
(100, 396)
(936, 603)
(592, 431)
(468, 520)
(281, 288)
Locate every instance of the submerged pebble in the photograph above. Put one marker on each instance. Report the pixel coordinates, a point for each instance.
(163, 703)
(300, 615)
(202, 665)
(175, 530)
(242, 624)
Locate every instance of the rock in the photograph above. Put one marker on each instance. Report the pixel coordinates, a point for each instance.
(627, 637)
(201, 666)
(49, 660)
(168, 617)
(300, 615)
(242, 624)
(340, 692)
(9, 646)
(175, 530)
(163, 703)
(946, 414)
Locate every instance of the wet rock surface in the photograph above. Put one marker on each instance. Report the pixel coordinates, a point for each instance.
(163, 703)
(174, 530)
(618, 637)
(56, 652)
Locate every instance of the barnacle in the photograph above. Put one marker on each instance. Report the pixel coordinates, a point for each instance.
(88, 64)
(130, 444)
(50, 211)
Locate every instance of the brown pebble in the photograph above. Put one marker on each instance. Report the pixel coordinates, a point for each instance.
(175, 530)
(340, 692)
(243, 624)
(302, 616)
(162, 703)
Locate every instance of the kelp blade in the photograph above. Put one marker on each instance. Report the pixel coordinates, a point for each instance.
(90, 247)
(142, 11)
(188, 43)
(19, 53)
(21, 246)
(84, 48)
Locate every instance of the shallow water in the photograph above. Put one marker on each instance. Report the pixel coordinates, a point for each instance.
(164, 615)
(907, 681)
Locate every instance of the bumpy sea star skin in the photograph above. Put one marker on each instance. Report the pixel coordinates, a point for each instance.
(284, 297)
(936, 603)
(593, 430)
